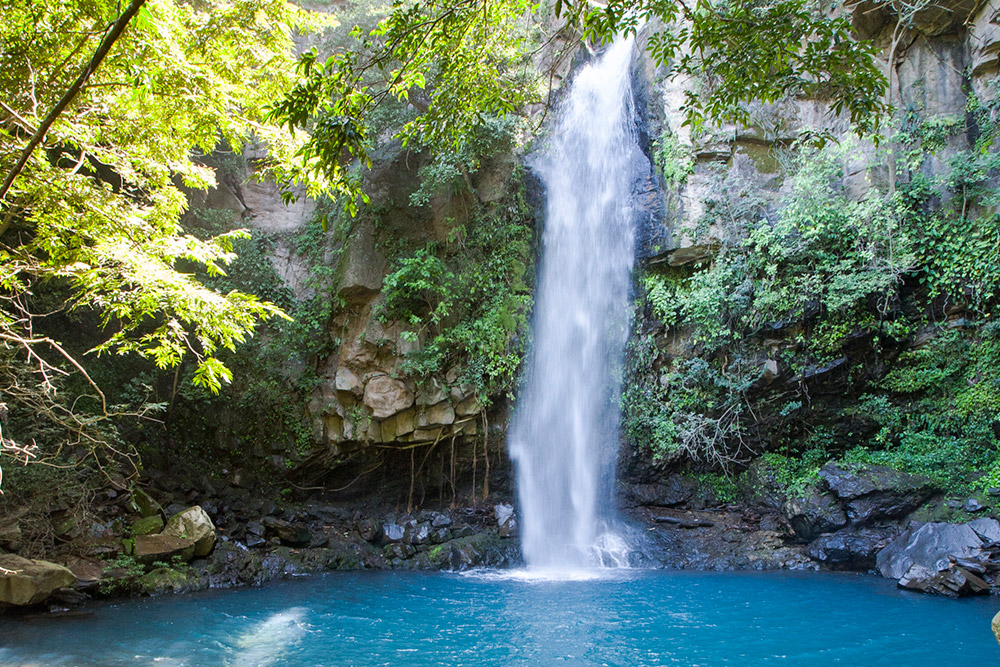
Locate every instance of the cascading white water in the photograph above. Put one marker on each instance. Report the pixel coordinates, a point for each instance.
(564, 437)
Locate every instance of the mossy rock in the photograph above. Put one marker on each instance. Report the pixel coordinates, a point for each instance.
(168, 580)
(148, 525)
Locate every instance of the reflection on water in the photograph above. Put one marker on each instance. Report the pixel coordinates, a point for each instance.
(499, 619)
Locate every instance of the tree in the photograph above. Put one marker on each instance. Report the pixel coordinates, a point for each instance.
(103, 120)
(461, 61)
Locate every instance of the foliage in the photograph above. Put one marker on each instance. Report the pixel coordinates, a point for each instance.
(460, 62)
(92, 222)
(464, 302)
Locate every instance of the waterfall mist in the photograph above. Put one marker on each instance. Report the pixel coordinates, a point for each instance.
(565, 433)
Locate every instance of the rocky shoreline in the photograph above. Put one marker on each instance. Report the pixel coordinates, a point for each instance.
(862, 518)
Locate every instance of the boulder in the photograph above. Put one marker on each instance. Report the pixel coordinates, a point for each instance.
(930, 545)
(417, 533)
(506, 520)
(671, 492)
(347, 380)
(387, 396)
(392, 532)
(148, 525)
(761, 486)
(149, 549)
(987, 529)
(398, 550)
(871, 493)
(24, 581)
(431, 392)
(854, 550)
(812, 513)
(954, 582)
(144, 504)
(288, 533)
(193, 524)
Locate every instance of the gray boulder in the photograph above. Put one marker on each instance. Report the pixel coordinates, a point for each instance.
(932, 546)
(854, 550)
(24, 581)
(149, 549)
(871, 493)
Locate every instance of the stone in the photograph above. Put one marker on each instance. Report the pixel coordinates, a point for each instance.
(398, 550)
(392, 532)
(439, 535)
(387, 396)
(362, 266)
(437, 415)
(854, 550)
(812, 513)
(953, 582)
(148, 525)
(417, 533)
(288, 533)
(469, 406)
(194, 524)
(24, 581)
(506, 520)
(10, 535)
(167, 580)
(938, 18)
(987, 529)
(148, 549)
(440, 520)
(973, 505)
(872, 493)
(984, 38)
(673, 491)
(761, 486)
(929, 545)
(367, 529)
(431, 392)
(144, 504)
(346, 380)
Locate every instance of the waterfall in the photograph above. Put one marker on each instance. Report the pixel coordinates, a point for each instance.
(565, 432)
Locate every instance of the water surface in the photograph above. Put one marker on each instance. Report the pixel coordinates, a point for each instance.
(484, 619)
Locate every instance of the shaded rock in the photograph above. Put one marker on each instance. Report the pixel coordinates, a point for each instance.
(386, 396)
(10, 535)
(761, 486)
(478, 550)
(854, 550)
(431, 392)
(24, 581)
(193, 524)
(673, 491)
(876, 492)
(812, 513)
(973, 505)
(469, 406)
(288, 533)
(144, 504)
(148, 525)
(148, 549)
(392, 532)
(367, 529)
(437, 415)
(417, 533)
(398, 550)
(439, 535)
(929, 545)
(347, 380)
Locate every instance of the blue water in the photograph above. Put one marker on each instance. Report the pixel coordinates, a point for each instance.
(635, 619)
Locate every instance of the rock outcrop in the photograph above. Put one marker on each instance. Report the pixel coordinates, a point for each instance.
(24, 581)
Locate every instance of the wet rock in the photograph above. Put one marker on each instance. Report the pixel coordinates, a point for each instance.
(439, 535)
(871, 493)
(761, 486)
(193, 524)
(929, 545)
(479, 550)
(24, 581)
(813, 512)
(367, 529)
(148, 549)
(854, 550)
